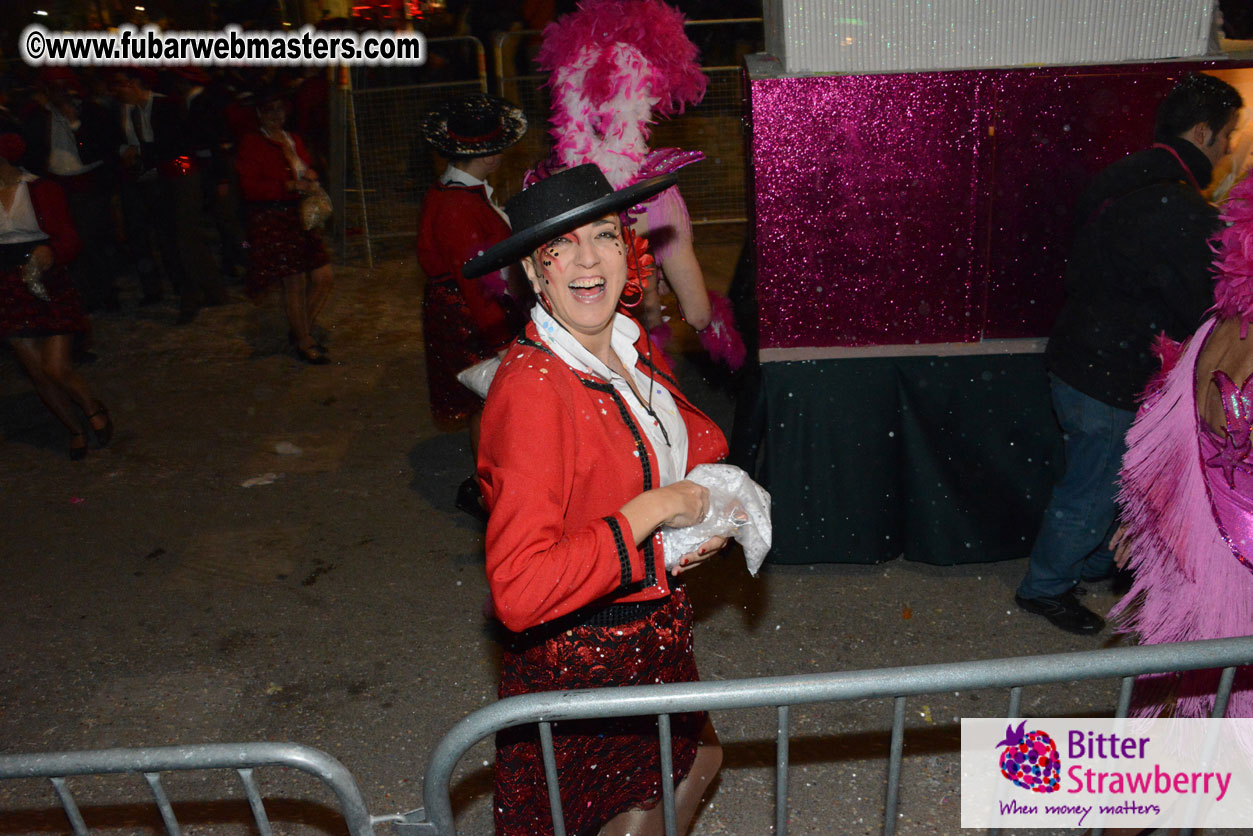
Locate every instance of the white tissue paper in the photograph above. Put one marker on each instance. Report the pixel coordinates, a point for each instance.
(478, 378)
(739, 508)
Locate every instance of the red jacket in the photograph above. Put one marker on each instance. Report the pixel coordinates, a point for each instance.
(559, 454)
(263, 169)
(457, 223)
(53, 215)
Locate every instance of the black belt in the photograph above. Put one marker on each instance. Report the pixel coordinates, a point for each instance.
(614, 615)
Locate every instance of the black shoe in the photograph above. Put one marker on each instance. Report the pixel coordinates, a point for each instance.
(1065, 612)
(313, 356)
(78, 452)
(105, 434)
(470, 499)
(1121, 583)
(186, 317)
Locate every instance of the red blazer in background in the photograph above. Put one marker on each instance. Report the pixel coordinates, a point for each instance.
(263, 169)
(458, 222)
(559, 454)
(53, 215)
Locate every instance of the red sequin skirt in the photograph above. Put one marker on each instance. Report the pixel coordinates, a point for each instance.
(22, 314)
(604, 767)
(278, 246)
(452, 344)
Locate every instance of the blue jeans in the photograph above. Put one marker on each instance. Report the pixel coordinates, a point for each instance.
(1074, 536)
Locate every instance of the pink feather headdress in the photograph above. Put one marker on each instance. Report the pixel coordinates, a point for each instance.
(613, 67)
(1233, 290)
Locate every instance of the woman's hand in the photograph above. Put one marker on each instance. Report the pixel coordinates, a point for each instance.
(681, 504)
(42, 257)
(689, 503)
(1120, 545)
(707, 549)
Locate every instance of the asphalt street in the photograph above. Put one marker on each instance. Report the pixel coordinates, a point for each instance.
(269, 551)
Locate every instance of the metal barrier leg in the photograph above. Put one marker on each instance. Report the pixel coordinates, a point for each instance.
(163, 803)
(894, 767)
(254, 801)
(550, 773)
(1223, 694)
(781, 772)
(1124, 696)
(1015, 701)
(667, 775)
(70, 808)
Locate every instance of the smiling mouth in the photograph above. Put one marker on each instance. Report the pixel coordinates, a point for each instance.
(587, 290)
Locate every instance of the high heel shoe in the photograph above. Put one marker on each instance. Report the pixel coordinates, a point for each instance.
(312, 356)
(104, 434)
(78, 452)
(294, 341)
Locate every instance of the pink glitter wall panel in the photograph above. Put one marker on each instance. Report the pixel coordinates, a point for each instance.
(865, 192)
(1054, 130)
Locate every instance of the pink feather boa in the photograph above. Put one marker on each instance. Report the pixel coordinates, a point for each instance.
(614, 66)
(1233, 289)
(1188, 585)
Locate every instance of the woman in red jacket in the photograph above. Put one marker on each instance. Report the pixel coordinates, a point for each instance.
(275, 174)
(585, 443)
(39, 309)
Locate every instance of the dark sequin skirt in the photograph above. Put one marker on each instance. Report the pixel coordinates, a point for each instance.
(452, 343)
(22, 314)
(278, 246)
(604, 767)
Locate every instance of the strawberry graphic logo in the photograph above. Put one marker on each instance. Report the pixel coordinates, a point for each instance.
(1030, 759)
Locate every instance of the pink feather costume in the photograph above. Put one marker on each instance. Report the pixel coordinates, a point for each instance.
(1187, 500)
(614, 66)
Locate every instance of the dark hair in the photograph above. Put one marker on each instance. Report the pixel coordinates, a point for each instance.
(1196, 98)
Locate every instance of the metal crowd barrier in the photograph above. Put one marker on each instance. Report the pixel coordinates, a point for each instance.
(782, 692)
(779, 692)
(151, 762)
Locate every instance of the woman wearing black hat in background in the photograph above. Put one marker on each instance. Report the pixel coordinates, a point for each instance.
(275, 174)
(585, 444)
(464, 321)
(39, 309)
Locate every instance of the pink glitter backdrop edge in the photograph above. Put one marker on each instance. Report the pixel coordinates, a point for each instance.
(931, 207)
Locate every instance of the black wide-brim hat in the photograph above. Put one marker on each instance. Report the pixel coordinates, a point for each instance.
(474, 125)
(556, 205)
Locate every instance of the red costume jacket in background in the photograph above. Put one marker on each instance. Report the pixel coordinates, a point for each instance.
(560, 453)
(459, 222)
(53, 215)
(263, 169)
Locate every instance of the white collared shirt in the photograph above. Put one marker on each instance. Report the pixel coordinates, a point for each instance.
(63, 157)
(452, 174)
(145, 122)
(19, 223)
(670, 445)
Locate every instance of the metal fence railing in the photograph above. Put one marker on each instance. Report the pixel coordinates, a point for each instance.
(780, 693)
(390, 166)
(242, 758)
(387, 167)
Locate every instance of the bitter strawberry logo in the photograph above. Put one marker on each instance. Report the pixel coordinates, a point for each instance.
(1030, 759)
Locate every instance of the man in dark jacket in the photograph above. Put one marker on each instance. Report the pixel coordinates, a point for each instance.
(1140, 266)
